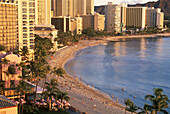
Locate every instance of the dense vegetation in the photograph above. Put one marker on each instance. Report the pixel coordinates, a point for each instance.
(158, 103)
(34, 71)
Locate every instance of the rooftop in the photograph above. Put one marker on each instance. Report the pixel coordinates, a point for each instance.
(4, 102)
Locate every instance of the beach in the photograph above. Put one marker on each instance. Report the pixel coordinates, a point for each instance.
(83, 97)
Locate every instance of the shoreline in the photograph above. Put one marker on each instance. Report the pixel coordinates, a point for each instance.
(137, 36)
(80, 94)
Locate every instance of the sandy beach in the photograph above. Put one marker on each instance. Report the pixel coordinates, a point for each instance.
(84, 98)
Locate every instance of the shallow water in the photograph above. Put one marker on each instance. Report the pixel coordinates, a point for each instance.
(137, 65)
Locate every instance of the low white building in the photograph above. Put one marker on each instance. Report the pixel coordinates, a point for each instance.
(47, 31)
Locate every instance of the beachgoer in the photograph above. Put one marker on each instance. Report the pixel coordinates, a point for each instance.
(117, 100)
(123, 89)
(113, 96)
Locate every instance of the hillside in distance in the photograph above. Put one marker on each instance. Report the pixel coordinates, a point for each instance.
(163, 4)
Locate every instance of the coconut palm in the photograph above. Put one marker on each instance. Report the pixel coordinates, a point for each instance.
(127, 102)
(63, 96)
(159, 101)
(2, 48)
(2, 87)
(29, 109)
(10, 72)
(145, 110)
(59, 72)
(48, 69)
(51, 90)
(22, 89)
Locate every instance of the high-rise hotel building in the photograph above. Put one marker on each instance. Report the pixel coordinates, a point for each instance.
(90, 6)
(43, 12)
(154, 17)
(31, 13)
(112, 17)
(8, 24)
(141, 17)
(136, 16)
(72, 7)
(26, 23)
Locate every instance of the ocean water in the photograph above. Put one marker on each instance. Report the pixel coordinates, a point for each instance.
(137, 65)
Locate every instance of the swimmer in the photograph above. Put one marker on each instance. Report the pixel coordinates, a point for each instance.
(123, 89)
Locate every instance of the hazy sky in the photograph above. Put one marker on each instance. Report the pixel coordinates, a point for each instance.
(103, 2)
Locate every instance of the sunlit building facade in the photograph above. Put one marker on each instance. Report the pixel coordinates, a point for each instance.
(96, 21)
(43, 12)
(8, 24)
(90, 6)
(136, 17)
(154, 17)
(113, 17)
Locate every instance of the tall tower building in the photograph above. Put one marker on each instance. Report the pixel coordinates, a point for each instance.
(75, 5)
(69, 7)
(61, 7)
(81, 7)
(112, 17)
(26, 22)
(123, 16)
(90, 6)
(154, 17)
(8, 24)
(43, 12)
(136, 16)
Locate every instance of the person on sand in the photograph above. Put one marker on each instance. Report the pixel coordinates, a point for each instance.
(113, 96)
(117, 100)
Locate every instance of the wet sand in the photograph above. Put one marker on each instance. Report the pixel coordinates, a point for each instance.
(83, 97)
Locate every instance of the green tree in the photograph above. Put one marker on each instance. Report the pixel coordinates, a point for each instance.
(63, 96)
(48, 69)
(2, 48)
(51, 90)
(22, 89)
(2, 87)
(127, 102)
(159, 101)
(59, 72)
(29, 109)
(130, 106)
(145, 110)
(90, 32)
(10, 72)
(24, 51)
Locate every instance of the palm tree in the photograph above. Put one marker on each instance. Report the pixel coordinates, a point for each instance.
(63, 96)
(2, 48)
(29, 109)
(21, 89)
(24, 51)
(10, 72)
(51, 90)
(145, 110)
(127, 102)
(48, 69)
(2, 87)
(159, 101)
(59, 72)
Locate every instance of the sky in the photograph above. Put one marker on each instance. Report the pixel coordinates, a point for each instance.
(104, 2)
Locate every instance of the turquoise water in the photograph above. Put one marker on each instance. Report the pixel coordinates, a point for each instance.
(137, 65)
